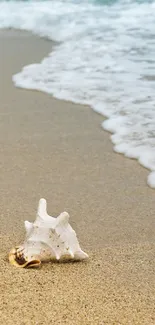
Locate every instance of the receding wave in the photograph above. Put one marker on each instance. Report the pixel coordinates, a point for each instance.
(104, 58)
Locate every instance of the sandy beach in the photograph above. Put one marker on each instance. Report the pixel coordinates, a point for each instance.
(58, 150)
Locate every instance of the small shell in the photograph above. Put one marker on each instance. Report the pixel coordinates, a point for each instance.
(16, 258)
(47, 238)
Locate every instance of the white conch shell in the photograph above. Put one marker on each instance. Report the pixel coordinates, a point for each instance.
(47, 238)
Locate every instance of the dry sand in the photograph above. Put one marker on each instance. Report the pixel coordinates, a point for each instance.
(57, 150)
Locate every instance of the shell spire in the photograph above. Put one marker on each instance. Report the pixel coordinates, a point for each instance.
(47, 238)
(42, 208)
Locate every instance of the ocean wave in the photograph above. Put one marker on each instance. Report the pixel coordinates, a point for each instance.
(104, 58)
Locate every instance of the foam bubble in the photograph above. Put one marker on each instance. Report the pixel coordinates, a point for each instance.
(151, 179)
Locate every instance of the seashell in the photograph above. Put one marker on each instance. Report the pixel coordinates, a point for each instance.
(46, 239)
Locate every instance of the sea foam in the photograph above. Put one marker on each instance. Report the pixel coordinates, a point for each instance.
(104, 58)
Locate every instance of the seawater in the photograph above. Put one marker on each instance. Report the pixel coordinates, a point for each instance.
(104, 57)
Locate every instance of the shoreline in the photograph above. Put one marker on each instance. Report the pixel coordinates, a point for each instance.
(55, 149)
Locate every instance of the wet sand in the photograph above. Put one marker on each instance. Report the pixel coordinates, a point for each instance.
(58, 150)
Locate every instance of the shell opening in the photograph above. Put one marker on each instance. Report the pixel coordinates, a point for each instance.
(17, 258)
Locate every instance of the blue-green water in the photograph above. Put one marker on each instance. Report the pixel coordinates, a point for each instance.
(105, 58)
